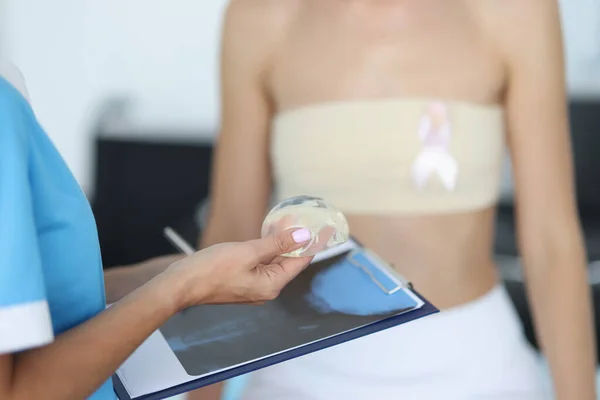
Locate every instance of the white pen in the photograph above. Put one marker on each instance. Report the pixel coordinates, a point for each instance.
(177, 241)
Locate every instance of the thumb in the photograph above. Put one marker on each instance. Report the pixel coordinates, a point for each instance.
(281, 242)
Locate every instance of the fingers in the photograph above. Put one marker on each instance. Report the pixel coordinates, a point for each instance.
(323, 239)
(293, 266)
(280, 243)
(282, 224)
(290, 268)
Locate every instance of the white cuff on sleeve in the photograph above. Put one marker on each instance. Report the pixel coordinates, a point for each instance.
(24, 326)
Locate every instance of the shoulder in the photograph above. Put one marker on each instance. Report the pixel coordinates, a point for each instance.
(262, 12)
(520, 16)
(12, 74)
(11, 96)
(16, 118)
(263, 20)
(522, 29)
(252, 29)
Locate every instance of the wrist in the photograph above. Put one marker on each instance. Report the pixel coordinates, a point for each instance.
(182, 291)
(170, 291)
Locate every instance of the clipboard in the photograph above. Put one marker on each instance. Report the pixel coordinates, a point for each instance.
(162, 367)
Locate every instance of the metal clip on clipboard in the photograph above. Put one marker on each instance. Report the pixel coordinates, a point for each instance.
(379, 271)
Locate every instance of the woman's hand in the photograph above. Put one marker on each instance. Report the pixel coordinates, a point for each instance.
(247, 272)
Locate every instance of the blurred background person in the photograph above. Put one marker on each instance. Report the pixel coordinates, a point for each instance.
(399, 113)
(129, 92)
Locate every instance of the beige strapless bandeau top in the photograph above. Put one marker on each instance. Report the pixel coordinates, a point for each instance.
(391, 156)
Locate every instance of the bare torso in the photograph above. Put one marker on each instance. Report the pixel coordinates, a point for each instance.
(347, 50)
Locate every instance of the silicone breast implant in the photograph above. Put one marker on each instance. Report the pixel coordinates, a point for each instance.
(327, 225)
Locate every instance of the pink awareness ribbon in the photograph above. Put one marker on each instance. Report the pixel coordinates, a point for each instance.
(434, 158)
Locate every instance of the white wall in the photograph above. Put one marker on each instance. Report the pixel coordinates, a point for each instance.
(75, 53)
(163, 52)
(3, 22)
(44, 39)
(581, 29)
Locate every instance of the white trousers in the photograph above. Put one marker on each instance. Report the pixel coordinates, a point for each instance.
(475, 351)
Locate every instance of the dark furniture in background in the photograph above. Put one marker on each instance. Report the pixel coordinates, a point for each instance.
(141, 187)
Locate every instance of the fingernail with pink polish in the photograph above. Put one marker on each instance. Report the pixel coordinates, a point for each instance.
(301, 235)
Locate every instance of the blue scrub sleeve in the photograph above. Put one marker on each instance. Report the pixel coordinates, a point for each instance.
(24, 314)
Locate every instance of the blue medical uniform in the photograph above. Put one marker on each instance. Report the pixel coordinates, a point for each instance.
(50, 266)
